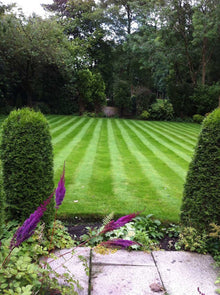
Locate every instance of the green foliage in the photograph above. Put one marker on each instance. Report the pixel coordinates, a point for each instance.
(206, 98)
(98, 92)
(27, 161)
(198, 118)
(84, 88)
(2, 203)
(202, 190)
(23, 273)
(191, 240)
(144, 230)
(145, 115)
(122, 96)
(161, 110)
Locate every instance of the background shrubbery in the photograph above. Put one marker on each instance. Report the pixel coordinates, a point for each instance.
(161, 110)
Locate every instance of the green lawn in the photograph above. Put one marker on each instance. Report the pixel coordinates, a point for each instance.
(122, 166)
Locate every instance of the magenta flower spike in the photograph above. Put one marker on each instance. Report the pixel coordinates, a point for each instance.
(112, 225)
(118, 243)
(61, 190)
(25, 231)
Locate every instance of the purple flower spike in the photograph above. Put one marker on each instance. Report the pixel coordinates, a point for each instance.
(122, 244)
(25, 231)
(112, 225)
(60, 191)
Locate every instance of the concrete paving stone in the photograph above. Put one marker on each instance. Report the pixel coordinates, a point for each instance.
(123, 257)
(183, 273)
(68, 261)
(124, 280)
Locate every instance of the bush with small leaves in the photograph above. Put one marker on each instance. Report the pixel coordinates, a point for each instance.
(198, 118)
(201, 200)
(27, 161)
(2, 203)
(145, 115)
(161, 110)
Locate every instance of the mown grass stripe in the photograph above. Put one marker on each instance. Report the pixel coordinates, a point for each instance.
(145, 191)
(79, 185)
(68, 147)
(156, 196)
(172, 135)
(190, 132)
(64, 132)
(62, 125)
(172, 180)
(73, 162)
(101, 183)
(59, 121)
(120, 179)
(54, 118)
(148, 170)
(167, 143)
(170, 161)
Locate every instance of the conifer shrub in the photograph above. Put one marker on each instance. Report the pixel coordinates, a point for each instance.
(2, 204)
(27, 161)
(201, 196)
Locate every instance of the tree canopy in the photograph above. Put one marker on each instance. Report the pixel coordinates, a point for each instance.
(133, 51)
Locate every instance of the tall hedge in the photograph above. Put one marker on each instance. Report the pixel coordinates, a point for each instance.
(27, 161)
(201, 197)
(2, 203)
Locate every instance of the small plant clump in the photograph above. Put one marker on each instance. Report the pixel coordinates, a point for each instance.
(27, 161)
(198, 118)
(145, 115)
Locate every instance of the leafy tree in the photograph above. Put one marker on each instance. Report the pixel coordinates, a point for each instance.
(122, 96)
(84, 89)
(98, 92)
(27, 47)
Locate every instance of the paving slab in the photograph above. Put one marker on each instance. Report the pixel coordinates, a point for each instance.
(123, 257)
(183, 273)
(124, 273)
(75, 263)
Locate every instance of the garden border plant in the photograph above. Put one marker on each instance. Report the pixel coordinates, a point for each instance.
(24, 232)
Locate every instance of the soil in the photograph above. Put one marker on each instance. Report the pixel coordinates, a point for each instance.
(78, 229)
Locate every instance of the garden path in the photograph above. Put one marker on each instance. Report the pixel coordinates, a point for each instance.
(138, 273)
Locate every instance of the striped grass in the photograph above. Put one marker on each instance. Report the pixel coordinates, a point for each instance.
(121, 166)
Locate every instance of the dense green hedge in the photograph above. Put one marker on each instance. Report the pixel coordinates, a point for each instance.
(201, 197)
(2, 203)
(27, 160)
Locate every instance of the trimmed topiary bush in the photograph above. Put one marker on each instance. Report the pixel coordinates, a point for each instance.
(201, 196)
(27, 161)
(2, 203)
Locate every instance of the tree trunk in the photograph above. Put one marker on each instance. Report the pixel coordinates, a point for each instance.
(204, 60)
